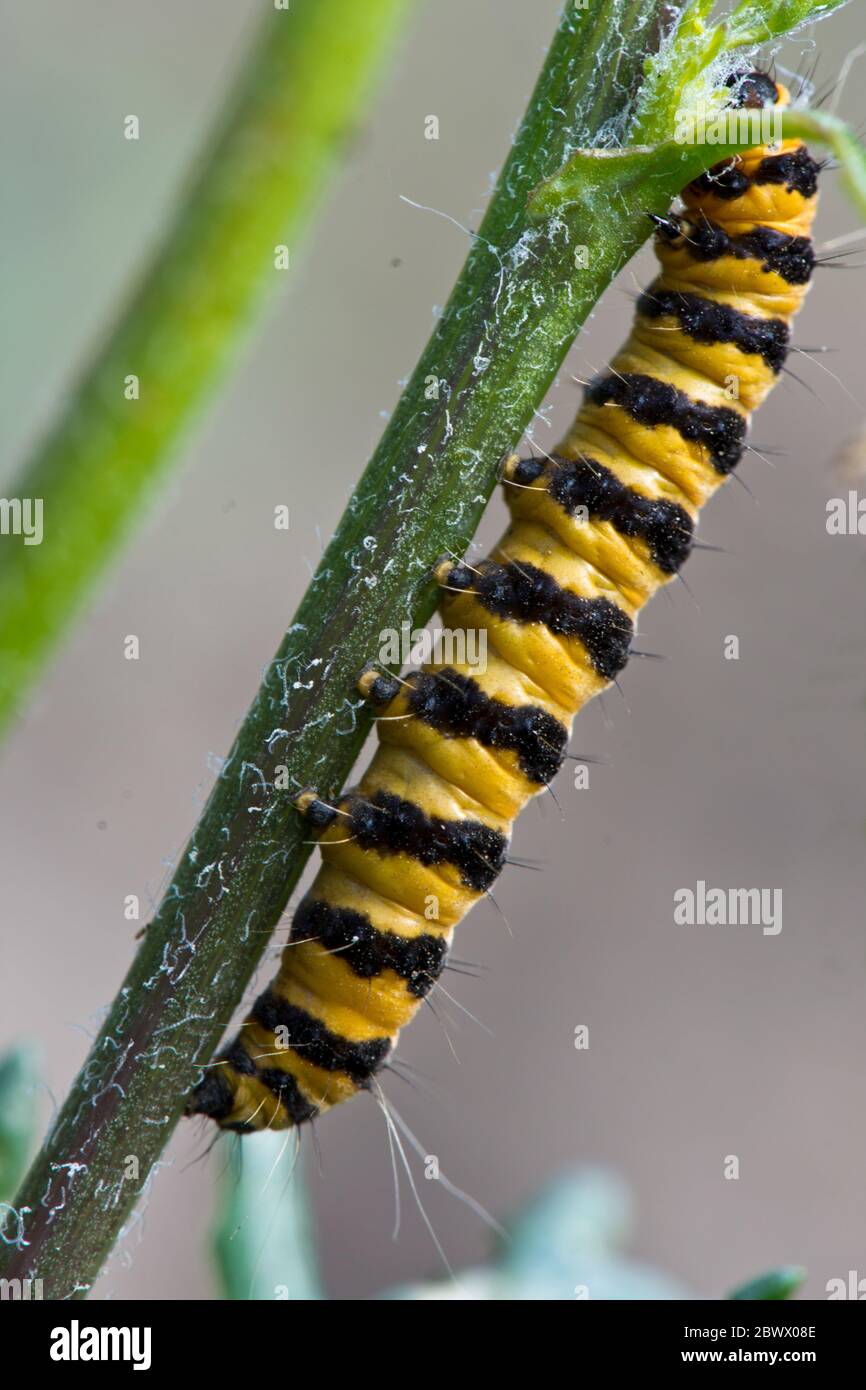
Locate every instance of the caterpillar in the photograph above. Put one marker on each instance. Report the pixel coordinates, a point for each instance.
(596, 528)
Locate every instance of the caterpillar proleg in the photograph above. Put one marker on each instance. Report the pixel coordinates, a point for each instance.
(596, 529)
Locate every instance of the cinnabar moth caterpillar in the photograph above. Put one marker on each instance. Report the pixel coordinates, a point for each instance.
(658, 433)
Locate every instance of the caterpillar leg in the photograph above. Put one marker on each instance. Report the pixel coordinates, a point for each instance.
(310, 805)
(378, 687)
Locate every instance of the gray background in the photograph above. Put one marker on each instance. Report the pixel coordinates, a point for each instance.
(704, 1041)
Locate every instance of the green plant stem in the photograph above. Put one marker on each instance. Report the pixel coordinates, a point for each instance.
(516, 308)
(297, 101)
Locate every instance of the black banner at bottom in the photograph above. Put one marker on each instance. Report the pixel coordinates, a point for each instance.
(64, 1339)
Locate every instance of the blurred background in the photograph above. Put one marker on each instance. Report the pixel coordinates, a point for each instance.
(704, 1042)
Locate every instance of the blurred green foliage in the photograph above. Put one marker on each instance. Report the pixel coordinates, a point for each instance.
(287, 120)
(777, 1284)
(19, 1078)
(566, 1243)
(263, 1241)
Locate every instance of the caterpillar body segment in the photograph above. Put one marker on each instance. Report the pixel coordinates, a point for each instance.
(596, 529)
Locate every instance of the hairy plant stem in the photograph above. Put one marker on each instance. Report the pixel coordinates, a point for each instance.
(298, 99)
(518, 303)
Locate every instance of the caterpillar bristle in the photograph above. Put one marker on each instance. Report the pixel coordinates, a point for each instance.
(597, 527)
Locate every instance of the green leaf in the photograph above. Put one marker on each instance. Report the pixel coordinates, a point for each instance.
(689, 52)
(591, 175)
(776, 1284)
(263, 1243)
(19, 1077)
(831, 131)
(756, 21)
(617, 174)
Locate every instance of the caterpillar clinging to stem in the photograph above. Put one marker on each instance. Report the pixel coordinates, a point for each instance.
(596, 528)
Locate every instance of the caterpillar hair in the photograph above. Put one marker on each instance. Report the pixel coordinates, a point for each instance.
(595, 530)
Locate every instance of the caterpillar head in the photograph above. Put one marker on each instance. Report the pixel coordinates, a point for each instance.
(754, 90)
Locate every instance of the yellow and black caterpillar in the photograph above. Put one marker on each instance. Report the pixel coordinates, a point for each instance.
(595, 530)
